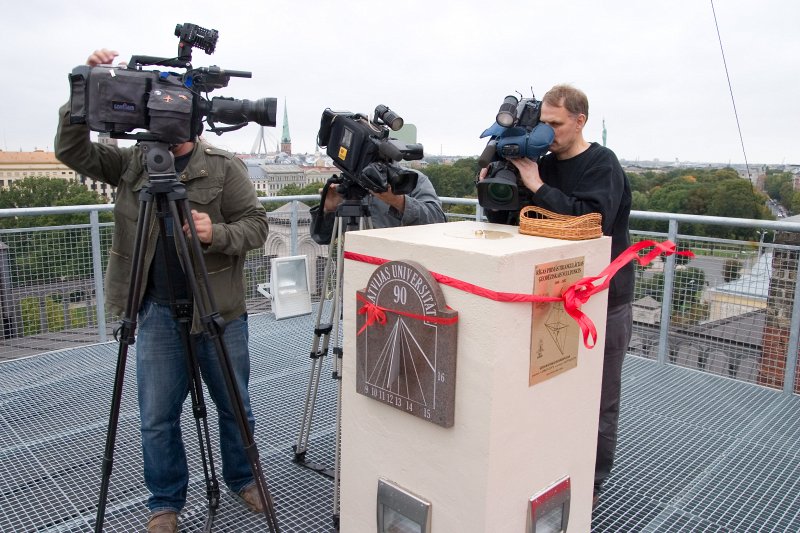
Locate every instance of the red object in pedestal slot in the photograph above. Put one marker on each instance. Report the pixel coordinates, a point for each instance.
(549, 509)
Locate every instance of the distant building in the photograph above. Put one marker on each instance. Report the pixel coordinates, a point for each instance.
(779, 311)
(269, 177)
(272, 178)
(743, 295)
(15, 166)
(647, 310)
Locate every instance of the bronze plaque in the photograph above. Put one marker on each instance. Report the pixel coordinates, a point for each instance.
(555, 336)
(408, 361)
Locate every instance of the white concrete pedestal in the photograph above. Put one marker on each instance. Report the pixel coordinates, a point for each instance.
(509, 440)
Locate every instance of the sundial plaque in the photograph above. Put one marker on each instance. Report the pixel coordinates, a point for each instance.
(408, 362)
(554, 334)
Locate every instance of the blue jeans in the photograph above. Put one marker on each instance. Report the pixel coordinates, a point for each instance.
(163, 383)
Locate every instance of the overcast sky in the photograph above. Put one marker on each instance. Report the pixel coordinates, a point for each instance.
(653, 70)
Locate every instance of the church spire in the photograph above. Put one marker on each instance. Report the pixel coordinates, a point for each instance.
(286, 140)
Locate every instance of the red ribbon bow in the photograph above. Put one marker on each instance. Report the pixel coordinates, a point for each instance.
(376, 313)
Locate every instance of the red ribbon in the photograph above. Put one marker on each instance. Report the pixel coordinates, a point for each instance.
(573, 296)
(376, 313)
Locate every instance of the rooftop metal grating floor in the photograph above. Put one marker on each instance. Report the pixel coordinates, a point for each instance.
(696, 453)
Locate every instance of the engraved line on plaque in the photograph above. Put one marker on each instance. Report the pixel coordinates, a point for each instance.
(404, 358)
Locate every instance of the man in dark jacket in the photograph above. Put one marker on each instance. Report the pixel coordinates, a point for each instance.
(229, 221)
(575, 178)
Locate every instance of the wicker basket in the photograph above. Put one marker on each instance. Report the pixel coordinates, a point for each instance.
(543, 223)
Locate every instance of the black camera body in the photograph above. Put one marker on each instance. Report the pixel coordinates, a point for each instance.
(366, 155)
(517, 132)
(170, 106)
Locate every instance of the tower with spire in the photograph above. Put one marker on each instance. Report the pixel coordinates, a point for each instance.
(286, 140)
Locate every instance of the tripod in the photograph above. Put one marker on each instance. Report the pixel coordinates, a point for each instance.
(353, 213)
(169, 197)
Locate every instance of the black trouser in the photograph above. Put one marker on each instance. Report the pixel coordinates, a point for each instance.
(619, 325)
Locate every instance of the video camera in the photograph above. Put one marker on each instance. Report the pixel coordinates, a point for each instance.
(516, 133)
(366, 155)
(117, 100)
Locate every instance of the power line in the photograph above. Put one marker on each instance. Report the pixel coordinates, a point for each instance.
(730, 89)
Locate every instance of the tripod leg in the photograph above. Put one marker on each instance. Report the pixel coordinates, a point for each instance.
(213, 328)
(319, 349)
(337, 374)
(364, 222)
(357, 217)
(127, 332)
(199, 412)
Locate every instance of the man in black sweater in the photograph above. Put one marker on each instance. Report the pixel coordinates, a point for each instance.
(575, 178)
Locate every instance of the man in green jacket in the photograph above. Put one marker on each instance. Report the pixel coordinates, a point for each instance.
(229, 221)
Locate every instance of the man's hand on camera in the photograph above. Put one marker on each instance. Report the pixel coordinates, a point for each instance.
(528, 172)
(398, 201)
(332, 199)
(103, 56)
(202, 225)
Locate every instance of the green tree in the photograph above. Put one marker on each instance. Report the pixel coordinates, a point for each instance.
(296, 190)
(456, 180)
(774, 182)
(40, 191)
(731, 269)
(686, 289)
(640, 201)
(786, 194)
(716, 192)
(794, 205)
(39, 256)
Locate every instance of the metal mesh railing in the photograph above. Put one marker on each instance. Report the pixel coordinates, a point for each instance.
(717, 307)
(731, 310)
(47, 287)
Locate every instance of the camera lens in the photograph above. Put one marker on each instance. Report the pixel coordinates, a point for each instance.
(499, 189)
(231, 111)
(502, 193)
(261, 111)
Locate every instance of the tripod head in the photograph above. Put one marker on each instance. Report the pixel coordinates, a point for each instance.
(351, 211)
(158, 160)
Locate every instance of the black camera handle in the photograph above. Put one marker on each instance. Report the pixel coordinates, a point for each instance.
(166, 196)
(176, 62)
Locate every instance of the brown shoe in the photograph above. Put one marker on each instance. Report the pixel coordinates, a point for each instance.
(163, 522)
(251, 499)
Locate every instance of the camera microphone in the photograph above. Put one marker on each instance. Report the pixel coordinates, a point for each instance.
(388, 117)
(508, 111)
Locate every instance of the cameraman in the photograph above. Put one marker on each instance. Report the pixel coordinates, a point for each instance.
(388, 210)
(576, 178)
(229, 221)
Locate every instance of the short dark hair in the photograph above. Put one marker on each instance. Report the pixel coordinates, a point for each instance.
(567, 96)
